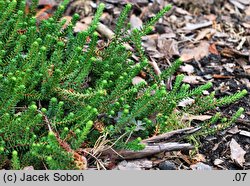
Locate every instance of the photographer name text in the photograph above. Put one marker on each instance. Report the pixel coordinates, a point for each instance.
(43, 177)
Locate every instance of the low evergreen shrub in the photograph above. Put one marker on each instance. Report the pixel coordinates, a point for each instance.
(59, 92)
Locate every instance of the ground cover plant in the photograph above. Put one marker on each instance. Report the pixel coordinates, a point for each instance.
(61, 93)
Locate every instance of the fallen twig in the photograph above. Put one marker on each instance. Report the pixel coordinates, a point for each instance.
(243, 122)
(154, 145)
(108, 33)
(168, 135)
(155, 67)
(149, 150)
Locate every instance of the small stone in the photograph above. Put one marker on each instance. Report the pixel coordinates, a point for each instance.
(28, 168)
(124, 165)
(208, 76)
(218, 161)
(144, 163)
(167, 165)
(135, 165)
(200, 166)
(205, 92)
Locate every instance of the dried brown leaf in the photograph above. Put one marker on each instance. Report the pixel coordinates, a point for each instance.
(186, 102)
(245, 2)
(196, 53)
(189, 117)
(137, 79)
(199, 158)
(79, 27)
(247, 11)
(191, 26)
(237, 4)
(182, 11)
(211, 17)
(189, 69)
(169, 47)
(245, 133)
(213, 49)
(205, 33)
(237, 153)
(135, 22)
(47, 2)
(193, 79)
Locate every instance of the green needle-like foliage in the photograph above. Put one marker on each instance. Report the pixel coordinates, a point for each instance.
(60, 92)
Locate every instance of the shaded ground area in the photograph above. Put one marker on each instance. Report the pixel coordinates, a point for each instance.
(213, 38)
